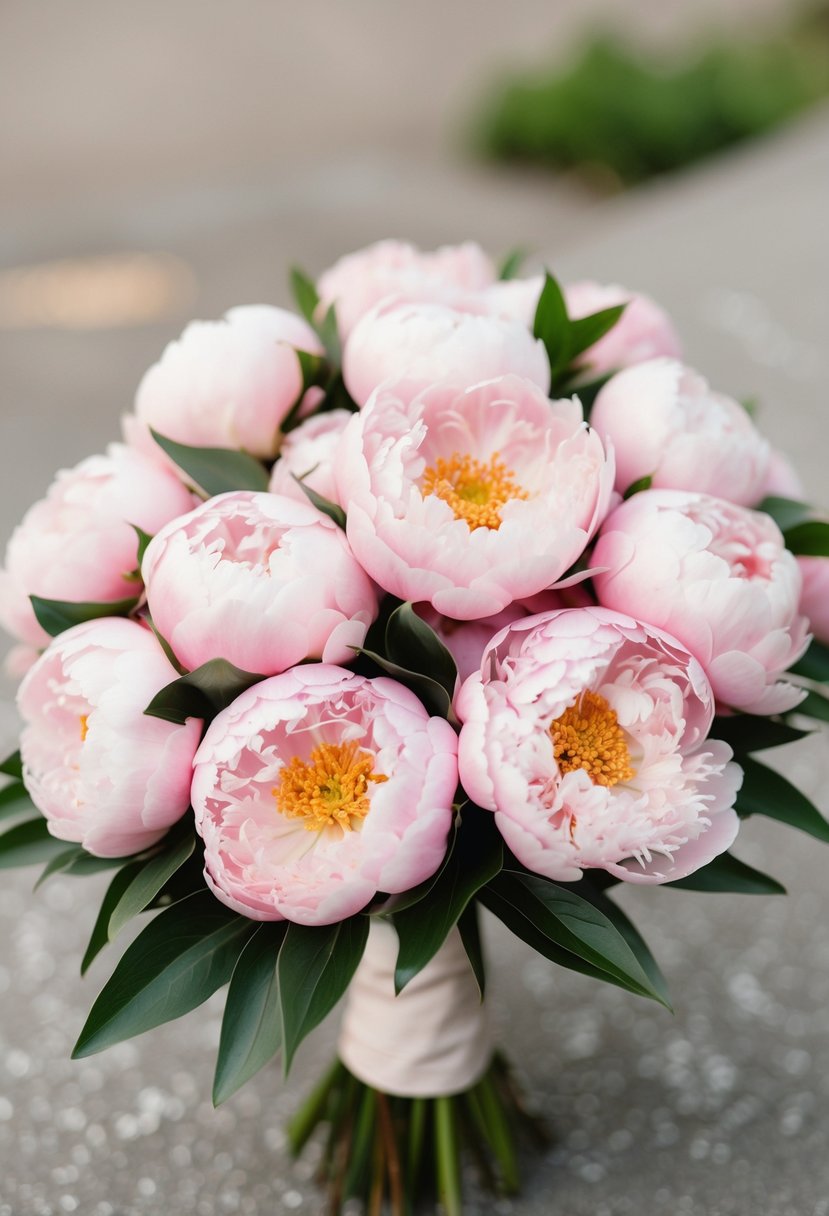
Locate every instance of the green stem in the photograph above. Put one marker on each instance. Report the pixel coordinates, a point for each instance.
(447, 1155)
(500, 1133)
(313, 1108)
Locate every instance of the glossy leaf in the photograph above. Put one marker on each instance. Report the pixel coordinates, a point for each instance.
(809, 539)
(413, 644)
(148, 881)
(28, 843)
(469, 928)
(552, 325)
(633, 938)
(181, 958)
(329, 508)
(57, 615)
(786, 512)
(727, 873)
(12, 766)
(433, 695)
(100, 931)
(751, 733)
(252, 1026)
(305, 294)
(144, 539)
(765, 792)
(202, 693)
(15, 801)
(815, 663)
(216, 470)
(636, 487)
(60, 861)
(315, 967)
(814, 705)
(586, 331)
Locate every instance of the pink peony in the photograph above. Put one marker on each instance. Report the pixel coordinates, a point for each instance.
(470, 498)
(103, 772)
(431, 342)
(77, 543)
(308, 453)
(360, 280)
(814, 599)
(318, 788)
(644, 330)
(585, 732)
(227, 383)
(663, 421)
(259, 579)
(717, 577)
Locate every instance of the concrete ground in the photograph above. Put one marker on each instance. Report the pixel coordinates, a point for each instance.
(719, 1111)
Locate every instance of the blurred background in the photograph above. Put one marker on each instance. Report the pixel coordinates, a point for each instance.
(163, 161)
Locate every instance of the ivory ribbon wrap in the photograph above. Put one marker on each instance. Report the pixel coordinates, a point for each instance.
(432, 1040)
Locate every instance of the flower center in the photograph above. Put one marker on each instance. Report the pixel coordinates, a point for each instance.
(84, 721)
(588, 736)
(475, 489)
(329, 789)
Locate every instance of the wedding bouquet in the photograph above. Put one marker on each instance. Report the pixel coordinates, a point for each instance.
(449, 592)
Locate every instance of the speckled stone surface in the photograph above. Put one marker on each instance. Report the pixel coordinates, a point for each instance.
(721, 1110)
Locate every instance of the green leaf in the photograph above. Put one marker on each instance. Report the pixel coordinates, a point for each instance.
(100, 931)
(313, 369)
(202, 693)
(407, 899)
(147, 883)
(251, 1026)
(432, 694)
(809, 539)
(552, 325)
(15, 801)
(633, 938)
(144, 539)
(28, 843)
(331, 509)
(636, 487)
(329, 335)
(470, 930)
(786, 512)
(12, 766)
(316, 964)
(181, 958)
(588, 391)
(765, 792)
(814, 705)
(751, 733)
(305, 294)
(56, 615)
(576, 925)
(815, 663)
(512, 264)
(586, 331)
(414, 645)
(422, 929)
(727, 873)
(216, 470)
(59, 862)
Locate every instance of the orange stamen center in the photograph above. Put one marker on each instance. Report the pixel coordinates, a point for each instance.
(329, 789)
(84, 721)
(475, 489)
(588, 736)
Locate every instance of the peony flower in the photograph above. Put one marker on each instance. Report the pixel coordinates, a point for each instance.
(78, 544)
(103, 772)
(261, 580)
(360, 280)
(308, 453)
(814, 598)
(227, 383)
(431, 342)
(585, 732)
(470, 498)
(717, 577)
(318, 788)
(663, 421)
(782, 479)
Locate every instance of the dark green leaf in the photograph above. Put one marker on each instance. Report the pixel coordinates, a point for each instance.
(810, 539)
(552, 325)
(815, 663)
(305, 294)
(765, 792)
(586, 331)
(147, 883)
(511, 264)
(28, 843)
(814, 705)
(216, 470)
(166, 647)
(470, 930)
(144, 539)
(100, 931)
(12, 766)
(59, 862)
(331, 509)
(633, 938)
(636, 487)
(181, 958)
(202, 693)
(728, 874)
(786, 512)
(328, 333)
(432, 694)
(587, 392)
(751, 733)
(314, 371)
(315, 967)
(407, 899)
(15, 801)
(414, 645)
(56, 615)
(422, 929)
(251, 1026)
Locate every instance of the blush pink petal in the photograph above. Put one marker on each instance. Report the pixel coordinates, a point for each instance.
(814, 598)
(308, 453)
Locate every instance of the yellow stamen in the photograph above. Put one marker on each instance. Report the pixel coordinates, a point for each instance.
(329, 789)
(84, 720)
(475, 489)
(588, 736)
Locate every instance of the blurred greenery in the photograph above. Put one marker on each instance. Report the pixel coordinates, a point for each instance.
(621, 115)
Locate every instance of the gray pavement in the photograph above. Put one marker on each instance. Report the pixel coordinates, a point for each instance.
(721, 1110)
